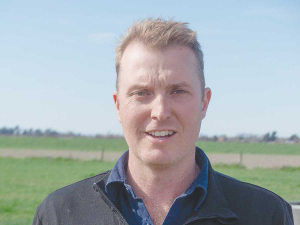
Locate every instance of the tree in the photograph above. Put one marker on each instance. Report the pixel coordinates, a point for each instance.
(17, 130)
(38, 133)
(51, 133)
(266, 137)
(215, 138)
(294, 138)
(273, 136)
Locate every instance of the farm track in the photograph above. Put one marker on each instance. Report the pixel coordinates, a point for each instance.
(248, 160)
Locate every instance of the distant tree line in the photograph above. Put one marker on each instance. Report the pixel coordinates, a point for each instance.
(17, 131)
(268, 137)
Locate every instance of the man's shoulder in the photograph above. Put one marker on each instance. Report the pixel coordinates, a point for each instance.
(248, 199)
(78, 203)
(78, 188)
(72, 199)
(243, 189)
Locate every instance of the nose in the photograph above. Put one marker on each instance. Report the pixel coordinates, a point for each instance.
(160, 109)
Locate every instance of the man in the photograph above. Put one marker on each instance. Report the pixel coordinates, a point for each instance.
(163, 178)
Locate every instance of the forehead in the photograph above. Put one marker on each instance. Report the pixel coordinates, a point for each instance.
(138, 52)
(142, 63)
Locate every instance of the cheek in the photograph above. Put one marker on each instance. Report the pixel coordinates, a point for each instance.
(133, 118)
(191, 118)
(192, 111)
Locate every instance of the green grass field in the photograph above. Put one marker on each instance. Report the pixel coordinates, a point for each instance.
(76, 144)
(119, 145)
(24, 183)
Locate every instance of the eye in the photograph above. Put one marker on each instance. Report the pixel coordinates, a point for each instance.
(178, 92)
(141, 93)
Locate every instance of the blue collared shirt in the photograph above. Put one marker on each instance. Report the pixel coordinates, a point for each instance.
(133, 208)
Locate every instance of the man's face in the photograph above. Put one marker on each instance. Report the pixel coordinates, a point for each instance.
(159, 103)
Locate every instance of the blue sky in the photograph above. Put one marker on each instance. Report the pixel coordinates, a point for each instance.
(57, 62)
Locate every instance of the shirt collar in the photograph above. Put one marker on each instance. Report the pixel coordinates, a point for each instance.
(201, 180)
(118, 173)
(118, 176)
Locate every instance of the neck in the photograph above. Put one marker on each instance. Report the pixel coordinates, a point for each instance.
(161, 182)
(158, 186)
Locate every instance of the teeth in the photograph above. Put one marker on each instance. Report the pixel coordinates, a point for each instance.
(161, 133)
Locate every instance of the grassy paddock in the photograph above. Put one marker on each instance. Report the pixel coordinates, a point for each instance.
(76, 144)
(120, 145)
(250, 148)
(24, 183)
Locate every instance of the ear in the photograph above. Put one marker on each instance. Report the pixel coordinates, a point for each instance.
(206, 100)
(115, 97)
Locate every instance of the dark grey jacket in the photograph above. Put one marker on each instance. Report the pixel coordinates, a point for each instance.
(228, 201)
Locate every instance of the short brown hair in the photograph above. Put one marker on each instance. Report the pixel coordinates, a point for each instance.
(161, 34)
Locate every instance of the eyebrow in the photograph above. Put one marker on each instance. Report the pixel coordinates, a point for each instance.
(147, 87)
(179, 85)
(137, 87)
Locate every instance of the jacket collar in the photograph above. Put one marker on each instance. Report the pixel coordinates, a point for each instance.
(102, 182)
(215, 204)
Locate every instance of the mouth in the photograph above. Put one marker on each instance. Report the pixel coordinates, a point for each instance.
(161, 134)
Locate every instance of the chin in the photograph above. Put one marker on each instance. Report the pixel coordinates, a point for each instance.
(159, 164)
(158, 159)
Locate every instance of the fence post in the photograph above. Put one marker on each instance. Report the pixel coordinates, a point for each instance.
(241, 158)
(102, 154)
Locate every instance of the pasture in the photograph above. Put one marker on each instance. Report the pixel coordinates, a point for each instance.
(24, 183)
(119, 145)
